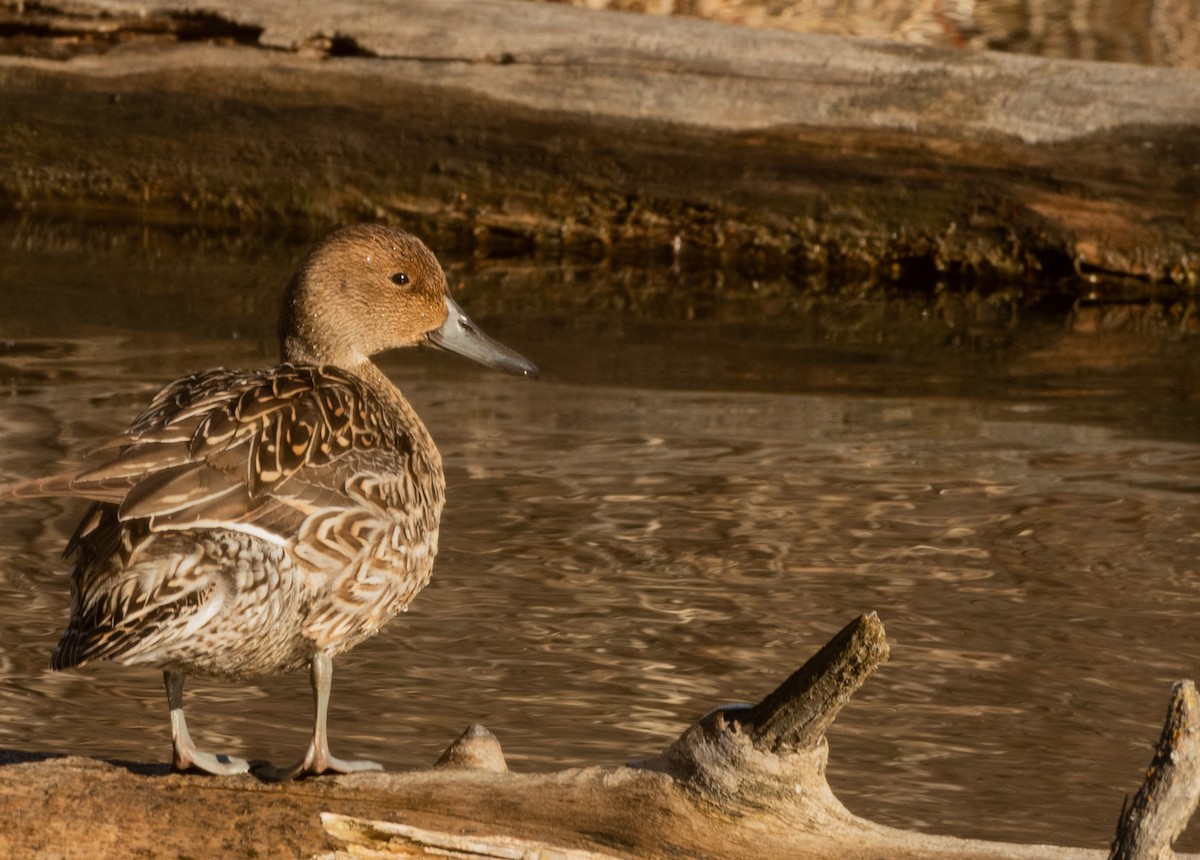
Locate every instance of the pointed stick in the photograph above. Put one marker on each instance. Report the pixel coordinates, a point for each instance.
(800, 710)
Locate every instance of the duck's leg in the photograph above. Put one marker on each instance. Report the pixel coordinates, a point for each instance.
(185, 755)
(318, 759)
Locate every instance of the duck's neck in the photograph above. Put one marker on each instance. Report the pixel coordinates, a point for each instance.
(382, 387)
(295, 348)
(389, 395)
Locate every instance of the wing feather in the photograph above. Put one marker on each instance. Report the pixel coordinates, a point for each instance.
(176, 489)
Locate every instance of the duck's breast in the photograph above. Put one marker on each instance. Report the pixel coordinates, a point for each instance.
(369, 559)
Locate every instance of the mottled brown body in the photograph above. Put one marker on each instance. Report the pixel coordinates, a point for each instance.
(288, 510)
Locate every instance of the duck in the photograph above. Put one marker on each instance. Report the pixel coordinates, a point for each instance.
(250, 523)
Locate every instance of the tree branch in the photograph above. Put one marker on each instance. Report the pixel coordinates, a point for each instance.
(798, 712)
(1167, 799)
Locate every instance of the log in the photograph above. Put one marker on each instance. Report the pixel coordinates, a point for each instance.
(516, 127)
(744, 781)
(1163, 805)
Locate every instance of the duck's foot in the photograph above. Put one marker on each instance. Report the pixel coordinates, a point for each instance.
(318, 759)
(184, 755)
(311, 765)
(217, 765)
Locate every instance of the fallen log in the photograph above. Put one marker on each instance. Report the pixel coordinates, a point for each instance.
(517, 127)
(742, 782)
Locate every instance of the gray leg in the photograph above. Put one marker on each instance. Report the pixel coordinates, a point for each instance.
(317, 759)
(185, 755)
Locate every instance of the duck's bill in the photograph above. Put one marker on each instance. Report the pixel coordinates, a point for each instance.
(459, 334)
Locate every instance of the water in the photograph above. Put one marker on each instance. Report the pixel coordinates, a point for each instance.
(676, 516)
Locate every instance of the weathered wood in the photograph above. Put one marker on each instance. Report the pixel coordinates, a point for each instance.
(520, 127)
(773, 755)
(799, 711)
(1163, 805)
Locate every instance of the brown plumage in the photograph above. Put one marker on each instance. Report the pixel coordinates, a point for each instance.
(250, 522)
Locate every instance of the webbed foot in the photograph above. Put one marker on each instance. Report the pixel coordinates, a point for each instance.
(312, 765)
(318, 758)
(216, 764)
(184, 754)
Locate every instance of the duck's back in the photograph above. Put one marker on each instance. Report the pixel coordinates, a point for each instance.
(248, 518)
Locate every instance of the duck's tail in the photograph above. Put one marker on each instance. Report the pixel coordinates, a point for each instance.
(56, 486)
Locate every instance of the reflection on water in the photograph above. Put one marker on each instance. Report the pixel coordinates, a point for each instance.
(632, 541)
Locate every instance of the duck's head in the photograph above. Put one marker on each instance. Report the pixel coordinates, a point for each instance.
(370, 288)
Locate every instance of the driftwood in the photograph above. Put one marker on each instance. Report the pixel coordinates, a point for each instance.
(518, 127)
(742, 782)
(1167, 799)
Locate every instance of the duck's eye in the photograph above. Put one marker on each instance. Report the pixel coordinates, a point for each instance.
(400, 279)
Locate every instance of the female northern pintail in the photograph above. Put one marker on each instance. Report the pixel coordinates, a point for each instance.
(250, 522)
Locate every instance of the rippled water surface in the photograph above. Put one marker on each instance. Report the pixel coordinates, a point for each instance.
(676, 516)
